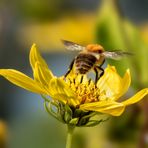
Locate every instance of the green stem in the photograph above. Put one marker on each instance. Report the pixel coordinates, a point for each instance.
(69, 136)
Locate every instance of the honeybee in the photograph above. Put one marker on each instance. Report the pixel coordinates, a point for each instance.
(91, 57)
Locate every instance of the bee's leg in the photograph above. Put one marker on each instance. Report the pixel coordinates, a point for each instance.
(101, 69)
(96, 71)
(70, 68)
(102, 63)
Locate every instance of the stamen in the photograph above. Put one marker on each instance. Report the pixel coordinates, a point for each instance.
(86, 92)
(74, 81)
(70, 81)
(81, 79)
(83, 100)
(89, 81)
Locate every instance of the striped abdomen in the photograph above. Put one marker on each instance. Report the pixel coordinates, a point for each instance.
(84, 62)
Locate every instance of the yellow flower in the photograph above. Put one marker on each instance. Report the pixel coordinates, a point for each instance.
(76, 91)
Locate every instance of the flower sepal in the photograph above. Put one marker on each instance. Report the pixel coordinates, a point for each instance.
(70, 115)
(74, 121)
(53, 109)
(92, 123)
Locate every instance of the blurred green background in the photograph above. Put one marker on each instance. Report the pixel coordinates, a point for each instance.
(115, 24)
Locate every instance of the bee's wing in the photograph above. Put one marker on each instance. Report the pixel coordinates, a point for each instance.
(116, 55)
(72, 46)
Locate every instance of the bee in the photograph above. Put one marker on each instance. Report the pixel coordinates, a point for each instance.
(91, 57)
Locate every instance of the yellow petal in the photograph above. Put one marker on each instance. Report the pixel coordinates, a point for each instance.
(39, 66)
(125, 83)
(113, 84)
(137, 97)
(107, 107)
(22, 80)
(42, 75)
(59, 87)
(36, 57)
(60, 97)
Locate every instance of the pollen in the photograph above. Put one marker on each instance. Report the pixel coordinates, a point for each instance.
(85, 89)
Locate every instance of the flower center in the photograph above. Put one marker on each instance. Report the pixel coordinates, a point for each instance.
(85, 89)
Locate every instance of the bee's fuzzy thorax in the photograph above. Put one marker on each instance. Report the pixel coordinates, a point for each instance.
(94, 47)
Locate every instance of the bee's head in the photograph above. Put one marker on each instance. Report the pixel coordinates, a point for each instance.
(94, 48)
